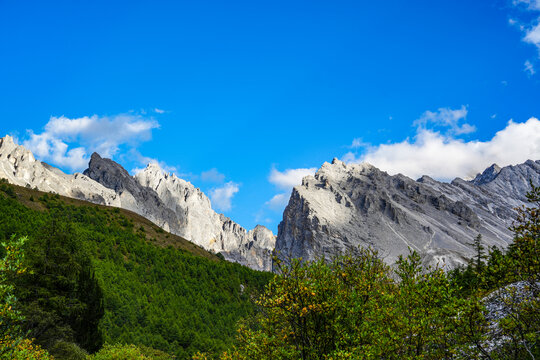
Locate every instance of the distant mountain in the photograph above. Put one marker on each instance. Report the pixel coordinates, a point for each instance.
(344, 206)
(171, 203)
(199, 222)
(341, 207)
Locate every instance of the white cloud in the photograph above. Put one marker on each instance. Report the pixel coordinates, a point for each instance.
(278, 201)
(221, 197)
(289, 178)
(530, 29)
(85, 135)
(529, 68)
(145, 160)
(212, 175)
(447, 118)
(530, 4)
(446, 157)
(285, 181)
(532, 35)
(159, 111)
(358, 143)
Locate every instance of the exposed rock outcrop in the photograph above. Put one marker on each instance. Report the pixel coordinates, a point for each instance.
(171, 203)
(341, 207)
(19, 167)
(133, 196)
(345, 206)
(202, 225)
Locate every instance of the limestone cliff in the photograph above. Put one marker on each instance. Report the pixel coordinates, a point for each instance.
(346, 206)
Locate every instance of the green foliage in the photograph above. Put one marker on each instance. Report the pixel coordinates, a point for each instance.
(129, 352)
(7, 189)
(68, 351)
(12, 344)
(525, 250)
(27, 350)
(61, 299)
(162, 298)
(11, 266)
(512, 280)
(354, 308)
(480, 255)
(119, 352)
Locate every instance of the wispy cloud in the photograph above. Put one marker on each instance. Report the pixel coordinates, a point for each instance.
(285, 181)
(451, 120)
(212, 175)
(145, 160)
(159, 111)
(278, 201)
(289, 178)
(529, 4)
(530, 29)
(529, 68)
(445, 157)
(358, 143)
(68, 142)
(221, 197)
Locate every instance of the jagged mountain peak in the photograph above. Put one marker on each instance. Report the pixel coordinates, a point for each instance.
(348, 205)
(17, 153)
(205, 226)
(7, 141)
(153, 174)
(153, 169)
(110, 174)
(487, 175)
(170, 202)
(19, 166)
(338, 169)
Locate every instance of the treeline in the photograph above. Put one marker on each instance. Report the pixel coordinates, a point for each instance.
(357, 307)
(90, 279)
(93, 277)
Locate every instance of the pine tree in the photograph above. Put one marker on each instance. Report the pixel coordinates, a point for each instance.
(480, 253)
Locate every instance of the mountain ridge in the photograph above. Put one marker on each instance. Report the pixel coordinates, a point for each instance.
(348, 205)
(339, 208)
(108, 183)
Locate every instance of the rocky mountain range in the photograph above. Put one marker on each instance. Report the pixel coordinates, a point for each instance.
(171, 203)
(344, 206)
(341, 207)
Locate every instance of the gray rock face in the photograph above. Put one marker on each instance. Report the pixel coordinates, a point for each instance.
(202, 225)
(19, 167)
(133, 196)
(171, 203)
(346, 206)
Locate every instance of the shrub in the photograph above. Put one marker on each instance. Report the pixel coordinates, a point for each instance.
(68, 351)
(129, 352)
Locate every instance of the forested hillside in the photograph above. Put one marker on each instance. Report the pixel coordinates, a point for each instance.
(88, 279)
(151, 288)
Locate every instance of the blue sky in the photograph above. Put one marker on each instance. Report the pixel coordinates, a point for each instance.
(242, 98)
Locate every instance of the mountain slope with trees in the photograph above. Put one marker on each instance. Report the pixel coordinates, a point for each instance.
(91, 265)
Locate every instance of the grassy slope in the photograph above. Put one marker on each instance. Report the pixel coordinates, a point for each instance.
(153, 233)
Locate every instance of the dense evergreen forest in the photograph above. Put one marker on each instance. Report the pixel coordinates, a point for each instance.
(78, 279)
(100, 275)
